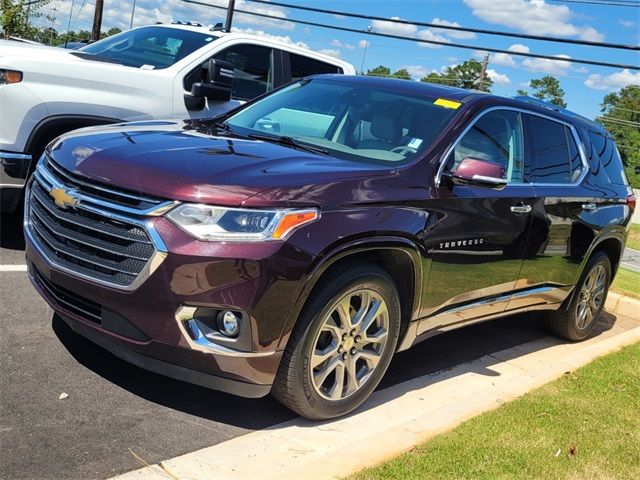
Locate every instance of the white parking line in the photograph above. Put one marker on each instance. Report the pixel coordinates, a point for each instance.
(13, 268)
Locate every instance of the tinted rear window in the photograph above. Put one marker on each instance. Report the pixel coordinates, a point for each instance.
(304, 66)
(610, 159)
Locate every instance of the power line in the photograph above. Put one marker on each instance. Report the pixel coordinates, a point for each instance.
(618, 121)
(450, 27)
(420, 40)
(594, 2)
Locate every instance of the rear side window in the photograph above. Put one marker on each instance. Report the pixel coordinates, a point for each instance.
(304, 66)
(553, 154)
(253, 69)
(610, 159)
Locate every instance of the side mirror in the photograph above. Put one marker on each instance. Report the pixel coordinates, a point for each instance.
(217, 84)
(473, 171)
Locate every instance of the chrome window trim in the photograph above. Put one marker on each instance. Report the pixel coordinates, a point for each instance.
(576, 138)
(151, 266)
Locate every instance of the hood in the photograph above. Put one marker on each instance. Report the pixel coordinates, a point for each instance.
(181, 161)
(22, 49)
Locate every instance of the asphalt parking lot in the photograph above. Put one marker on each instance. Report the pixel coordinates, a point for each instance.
(116, 414)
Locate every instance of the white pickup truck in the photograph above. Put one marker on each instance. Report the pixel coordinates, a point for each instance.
(179, 70)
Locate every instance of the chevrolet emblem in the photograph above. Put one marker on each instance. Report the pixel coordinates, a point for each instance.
(65, 198)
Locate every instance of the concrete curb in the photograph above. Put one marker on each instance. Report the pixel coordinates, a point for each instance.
(395, 419)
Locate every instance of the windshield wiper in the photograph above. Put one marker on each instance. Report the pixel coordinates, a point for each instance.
(289, 142)
(95, 57)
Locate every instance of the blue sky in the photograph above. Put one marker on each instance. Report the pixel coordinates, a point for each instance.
(584, 85)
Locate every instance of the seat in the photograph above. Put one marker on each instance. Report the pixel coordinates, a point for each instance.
(387, 132)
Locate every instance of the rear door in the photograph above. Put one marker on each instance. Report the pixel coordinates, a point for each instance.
(564, 214)
(481, 233)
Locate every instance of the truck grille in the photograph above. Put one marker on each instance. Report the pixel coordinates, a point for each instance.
(93, 231)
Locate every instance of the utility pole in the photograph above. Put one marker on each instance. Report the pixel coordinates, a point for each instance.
(133, 10)
(66, 38)
(53, 24)
(230, 8)
(97, 21)
(483, 73)
(364, 54)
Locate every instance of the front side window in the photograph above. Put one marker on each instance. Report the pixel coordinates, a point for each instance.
(553, 154)
(357, 122)
(497, 138)
(147, 47)
(253, 69)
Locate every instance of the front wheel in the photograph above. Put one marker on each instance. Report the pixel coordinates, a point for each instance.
(576, 322)
(342, 344)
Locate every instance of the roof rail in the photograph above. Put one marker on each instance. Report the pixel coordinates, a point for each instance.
(191, 24)
(551, 106)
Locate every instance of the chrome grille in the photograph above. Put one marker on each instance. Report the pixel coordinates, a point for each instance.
(105, 236)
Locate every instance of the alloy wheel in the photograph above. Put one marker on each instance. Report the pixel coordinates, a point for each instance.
(349, 344)
(591, 296)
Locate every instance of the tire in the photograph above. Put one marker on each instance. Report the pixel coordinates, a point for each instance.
(319, 388)
(576, 321)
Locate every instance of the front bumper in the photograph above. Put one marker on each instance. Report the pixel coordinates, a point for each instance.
(14, 168)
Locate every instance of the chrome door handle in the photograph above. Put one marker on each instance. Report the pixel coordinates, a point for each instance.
(589, 206)
(521, 208)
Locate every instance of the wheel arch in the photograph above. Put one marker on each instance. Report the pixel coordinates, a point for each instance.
(396, 255)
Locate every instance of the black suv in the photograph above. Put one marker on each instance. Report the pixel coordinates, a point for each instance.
(295, 244)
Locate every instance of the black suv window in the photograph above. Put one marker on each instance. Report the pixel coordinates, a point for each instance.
(253, 67)
(553, 154)
(304, 66)
(496, 137)
(609, 157)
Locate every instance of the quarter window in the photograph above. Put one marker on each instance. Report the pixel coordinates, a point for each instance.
(496, 137)
(610, 159)
(253, 68)
(302, 66)
(554, 156)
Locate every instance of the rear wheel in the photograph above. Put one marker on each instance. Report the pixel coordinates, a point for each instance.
(342, 344)
(577, 320)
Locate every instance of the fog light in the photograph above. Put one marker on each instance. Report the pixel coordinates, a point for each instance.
(229, 323)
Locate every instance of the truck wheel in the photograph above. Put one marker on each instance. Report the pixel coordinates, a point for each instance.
(576, 321)
(341, 345)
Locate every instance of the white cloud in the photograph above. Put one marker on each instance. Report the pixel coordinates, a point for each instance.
(614, 81)
(278, 38)
(428, 34)
(519, 48)
(338, 44)
(332, 52)
(394, 28)
(452, 33)
(363, 43)
(416, 71)
(498, 78)
(532, 16)
(117, 13)
(503, 59)
(552, 67)
(627, 23)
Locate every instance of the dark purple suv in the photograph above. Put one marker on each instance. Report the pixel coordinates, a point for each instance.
(294, 245)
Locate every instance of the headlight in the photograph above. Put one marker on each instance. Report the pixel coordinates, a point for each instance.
(207, 222)
(10, 76)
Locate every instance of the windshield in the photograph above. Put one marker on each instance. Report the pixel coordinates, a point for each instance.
(357, 122)
(149, 47)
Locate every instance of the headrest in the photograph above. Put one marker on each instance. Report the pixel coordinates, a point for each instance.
(386, 127)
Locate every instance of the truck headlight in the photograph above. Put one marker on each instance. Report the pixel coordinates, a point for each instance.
(211, 223)
(10, 76)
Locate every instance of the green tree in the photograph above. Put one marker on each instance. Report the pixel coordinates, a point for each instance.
(14, 17)
(111, 31)
(467, 75)
(522, 93)
(379, 71)
(403, 73)
(621, 117)
(548, 89)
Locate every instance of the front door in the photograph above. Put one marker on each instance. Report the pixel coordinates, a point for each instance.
(481, 232)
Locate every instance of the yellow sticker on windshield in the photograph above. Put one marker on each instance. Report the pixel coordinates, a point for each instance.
(447, 103)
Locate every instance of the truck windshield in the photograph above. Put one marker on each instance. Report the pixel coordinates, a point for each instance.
(149, 47)
(348, 120)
